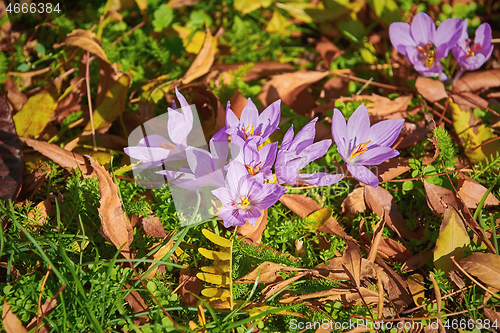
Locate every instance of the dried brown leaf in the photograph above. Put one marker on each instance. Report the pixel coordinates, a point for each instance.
(238, 103)
(203, 61)
(473, 81)
(417, 261)
(254, 232)
(380, 105)
(260, 69)
(86, 40)
(328, 51)
(354, 203)
(268, 273)
(471, 192)
(16, 97)
(438, 198)
(114, 222)
(335, 87)
(11, 322)
(288, 86)
(484, 266)
(137, 303)
(394, 285)
(153, 227)
(381, 202)
(492, 315)
(431, 90)
(352, 262)
(276, 287)
(61, 156)
(190, 285)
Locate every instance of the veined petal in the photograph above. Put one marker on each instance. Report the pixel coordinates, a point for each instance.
(362, 173)
(385, 133)
(235, 175)
(153, 140)
(401, 38)
(339, 133)
(268, 196)
(472, 63)
(422, 29)
(305, 137)
(483, 38)
(375, 156)
(251, 215)
(200, 161)
(447, 35)
(287, 139)
(186, 109)
(178, 128)
(147, 154)
(268, 154)
(249, 115)
(231, 119)
(358, 127)
(223, 195)
(231, 217)
(270, 117)
(316, 150)
(320, 178)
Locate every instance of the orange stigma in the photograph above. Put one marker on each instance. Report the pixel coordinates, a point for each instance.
(361, 148)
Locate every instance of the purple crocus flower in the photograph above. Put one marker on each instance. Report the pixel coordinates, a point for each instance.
(295, 153)
(422, 44)
(256, 161)
(359, 144)
(243, 197)
(153, 150)
(472, 55)
(206, 169)
(251, 124)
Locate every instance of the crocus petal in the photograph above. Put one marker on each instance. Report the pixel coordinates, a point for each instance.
(220, 151)
(473, 63)
(147, 154)
(464, 36)
(358, 127)
(249, 114)
(400, 35)
(231, 217)
(385, 133)
(270, 118)
(339, 133)
(251, 215)
(268, 154)
(287, 167)
(447, 35)
(153, 140)
(375, 156)
(235, 173)
(316, 150)
(287, 139)
(268, 196)
(200, 161)
(305, 137)
(483, 35)
(231, 119)
(362, 173)
(320, 178)
(223, 195)
(422, 29)
(186, 108)
(178, 127)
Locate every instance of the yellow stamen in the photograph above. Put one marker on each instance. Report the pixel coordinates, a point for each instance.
(361, 148)
(244, 203)
(252, 171)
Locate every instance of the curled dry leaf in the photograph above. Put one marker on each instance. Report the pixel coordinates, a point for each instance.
(395, 286)
(452, 240)
(254, 232)
(190, 285)
(393, 168)
(64, 158)
(11, 322)
(259, 69)
(114, 222)
(268, 273)
(16, 97)
(431, 90)
(492, 315)
(153, 227)
(354, 203)
(288, 86)
(394, 251)
(381, 202)
(471, 192)
(380, 106)
(11, 164)
(328, 51)
(137, 303)
(86, 40)
(484, 266)
(203, 61)
(46, 309)
(438, 198)
(111, 96)
(474, 81)
(351, 261)
(417, 261)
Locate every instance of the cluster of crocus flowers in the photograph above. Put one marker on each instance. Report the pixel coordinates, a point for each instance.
(247, 172)
(424, 45)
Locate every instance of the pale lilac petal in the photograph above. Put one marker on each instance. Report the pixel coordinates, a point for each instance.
(271, 117)
(178, 128)
(200, 161)
(400, 35)
(422, 29)
(415, 56)
(223, 195)
(385, 133)
(473, 63)
(320, 178)
(362, 174)
(287, 139)
(186, 109)
(220, 151)
(231, 217)
(231, 119)
(268, 196)
(235, 173)
(339, 133)
(287, 167)
(268, 154)
(358, 127)
(249, 115)
(447, 36)
(375, 156)
(147, 154)
(305, 137)
(483, 37)
(251, 215)
(153, 140)
(464, 35)
(316, 150)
